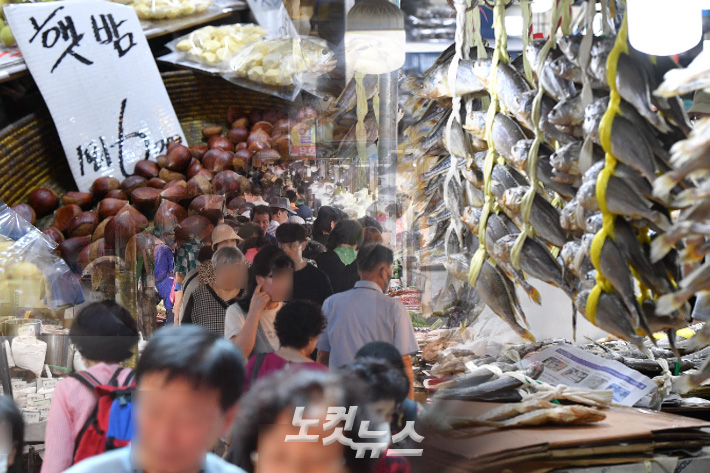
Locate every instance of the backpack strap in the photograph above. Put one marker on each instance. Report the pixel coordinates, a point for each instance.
(129, 379)
(87, 379)
(258, 361)
(114, 379)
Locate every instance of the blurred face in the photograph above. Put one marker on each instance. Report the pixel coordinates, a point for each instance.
(277, 285)
(226, 243)
(262, 221)
(294, 250)
(385, 409)
(281, 216)
(232, 276)
(177, 423)
(274, 455)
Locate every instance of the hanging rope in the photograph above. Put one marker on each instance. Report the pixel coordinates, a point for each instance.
(527, 36)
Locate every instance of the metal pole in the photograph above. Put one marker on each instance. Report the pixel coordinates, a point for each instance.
(387, 150)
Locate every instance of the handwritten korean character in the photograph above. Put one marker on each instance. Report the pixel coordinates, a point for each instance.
(64, 30)
(107, 32)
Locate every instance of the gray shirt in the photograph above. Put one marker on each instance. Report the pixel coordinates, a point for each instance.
(119, 461)
(362, 315)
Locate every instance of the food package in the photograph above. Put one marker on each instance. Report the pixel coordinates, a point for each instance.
(168, 9)
(29, 353)
(31, 274)
(279, 66)
(214, 46)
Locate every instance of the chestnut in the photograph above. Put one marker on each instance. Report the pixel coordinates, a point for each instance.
(195, 226)
(25, 211)
(211, 131)
(64, 216)
(83, 224)
(178, 158)
(217, 160)
(259, 135)
(202, 202)
(167, 175)
(82, 199)
(93, 251)
(175, 183)
(256, 146)
(255, 116)
(146, 199)
(110, 207)
(242, 145)
(244, 154)
(169, 215)
(103, 185)
(117, 194)
(227, 182)
(139, 218)
(172, 145)
(283, 125)
(156, 183)
(198, 151)
(267, 156)
(240, 165)
(198, 185)
(206, 173)
(146, 168)
(243, 121)
(193, 169)
(222, 143)
(54, 234)
(43, 201)
(119, 230)
(71, 247)
(161, 160)
(133, 182)
(236, 203)
(238, 134)
(175, 193)
(266, 126)
(100, 228)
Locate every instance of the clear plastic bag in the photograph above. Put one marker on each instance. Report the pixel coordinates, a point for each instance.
(31, 275)
(168, 9)
(212, 47)
(279, 66)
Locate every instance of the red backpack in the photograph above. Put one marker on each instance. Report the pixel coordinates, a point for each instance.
(109, 426)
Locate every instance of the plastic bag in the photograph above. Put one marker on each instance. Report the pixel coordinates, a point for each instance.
(168, 9)
(213, 46)
(29, 354)
(279, 66)
(31, 275)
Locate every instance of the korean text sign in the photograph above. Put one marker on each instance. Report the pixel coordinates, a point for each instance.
(93, 66)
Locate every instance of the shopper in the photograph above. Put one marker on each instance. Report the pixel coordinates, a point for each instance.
(189, 245)
(365, 314)
(266, 417)
(254, 196)
(165, 279)
(13, 435)
(386, 387)
(270, 283)
(105, 334)
(262, 217)
(339, 261)
(208, 304)
(408, 410)
(309, 282)
(224, 235)
(189, 382)
(324, 223)
(297, 326)
(312, 250)
(371, 235)
(281, 210)
(203, 274)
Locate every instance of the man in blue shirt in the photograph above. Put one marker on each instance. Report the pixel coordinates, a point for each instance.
(189, 382)
(366, 314)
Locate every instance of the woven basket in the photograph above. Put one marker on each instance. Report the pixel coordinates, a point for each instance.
(32, 156)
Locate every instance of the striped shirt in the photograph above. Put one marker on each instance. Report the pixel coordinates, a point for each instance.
(72, 404)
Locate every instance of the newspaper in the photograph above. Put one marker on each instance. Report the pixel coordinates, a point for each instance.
(572, 366)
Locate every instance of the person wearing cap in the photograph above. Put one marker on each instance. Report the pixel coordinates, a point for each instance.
(224, 235)
(701, 106)
(281, 210)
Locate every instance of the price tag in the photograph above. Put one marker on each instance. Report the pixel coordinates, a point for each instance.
(92, 63)
(272, 15)
(303, 141)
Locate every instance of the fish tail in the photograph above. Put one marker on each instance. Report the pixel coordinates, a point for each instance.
(661, 246)
(574, 321)
(527, 335)
(411, 83)
(663, 185)
(661, 221)
(533, 294)
(669, 303)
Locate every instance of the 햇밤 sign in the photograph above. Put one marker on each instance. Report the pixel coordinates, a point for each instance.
(92, 63)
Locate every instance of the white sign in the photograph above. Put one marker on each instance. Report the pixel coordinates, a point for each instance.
(92, 63)
(572, 366)
(272, 15)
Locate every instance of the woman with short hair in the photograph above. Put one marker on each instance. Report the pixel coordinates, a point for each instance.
(208, 304)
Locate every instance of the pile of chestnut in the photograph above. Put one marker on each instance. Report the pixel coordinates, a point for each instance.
(184, 187)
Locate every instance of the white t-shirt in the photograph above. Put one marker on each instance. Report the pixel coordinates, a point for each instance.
(234, 321)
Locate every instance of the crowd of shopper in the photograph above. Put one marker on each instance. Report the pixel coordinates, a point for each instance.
(271, 317)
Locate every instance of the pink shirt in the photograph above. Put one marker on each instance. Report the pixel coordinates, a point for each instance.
(71, 406)
(272, 363)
